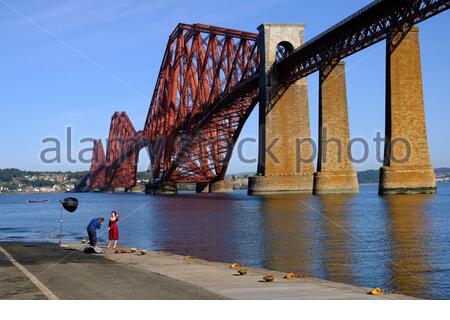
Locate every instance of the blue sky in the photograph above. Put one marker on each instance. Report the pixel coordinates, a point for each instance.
(73, 63)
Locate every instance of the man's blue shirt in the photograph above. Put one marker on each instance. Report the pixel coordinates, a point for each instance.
(94, 225)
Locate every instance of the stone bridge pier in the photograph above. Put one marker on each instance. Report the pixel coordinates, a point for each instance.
(407, 167)
(335, 173)
(219, 186)
(285, 159)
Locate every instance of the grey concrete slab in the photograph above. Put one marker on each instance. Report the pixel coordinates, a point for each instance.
(72, 274)
(218, 278)
(14, 284)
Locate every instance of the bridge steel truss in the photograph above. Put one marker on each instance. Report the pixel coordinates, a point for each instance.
(207, 87)
(198, 106)
(97, 173)
(118, 168)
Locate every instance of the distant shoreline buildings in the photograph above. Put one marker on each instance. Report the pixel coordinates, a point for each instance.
(18, 181)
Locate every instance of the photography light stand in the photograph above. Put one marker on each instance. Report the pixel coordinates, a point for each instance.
(60, 228)
(70, 204)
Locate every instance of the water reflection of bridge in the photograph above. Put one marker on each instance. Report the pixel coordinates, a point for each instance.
(394, 242)
(337, 238)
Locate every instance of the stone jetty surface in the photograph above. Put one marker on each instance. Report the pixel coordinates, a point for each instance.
(69, 273)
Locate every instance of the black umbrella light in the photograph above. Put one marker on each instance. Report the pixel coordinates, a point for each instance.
(70, 204)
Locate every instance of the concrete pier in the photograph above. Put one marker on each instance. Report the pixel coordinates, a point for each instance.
(136, 189)
(285, 160)
(159, 187)
(220, 186)
(107, 190)
(48, 271)
(68, 273)
(407, 167)
(335, 173)
(202, 187)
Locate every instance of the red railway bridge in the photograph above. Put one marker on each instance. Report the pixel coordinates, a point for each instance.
(211, 78)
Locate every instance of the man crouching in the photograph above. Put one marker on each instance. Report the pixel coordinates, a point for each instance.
(92, 228)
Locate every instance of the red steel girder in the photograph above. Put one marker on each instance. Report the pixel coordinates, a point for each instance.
(97, 172)
(118, 169)
(202, 65)
(121, 153)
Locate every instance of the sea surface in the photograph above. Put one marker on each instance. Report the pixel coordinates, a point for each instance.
(400, 243)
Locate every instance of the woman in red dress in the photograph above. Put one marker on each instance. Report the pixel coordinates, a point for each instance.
(113, 229)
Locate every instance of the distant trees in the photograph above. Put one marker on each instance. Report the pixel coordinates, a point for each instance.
(13, 178)
(41, 183)
(8, 175)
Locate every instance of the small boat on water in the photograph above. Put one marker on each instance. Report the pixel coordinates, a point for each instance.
(37, 201)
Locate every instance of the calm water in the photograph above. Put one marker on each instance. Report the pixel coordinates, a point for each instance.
(395, 242)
